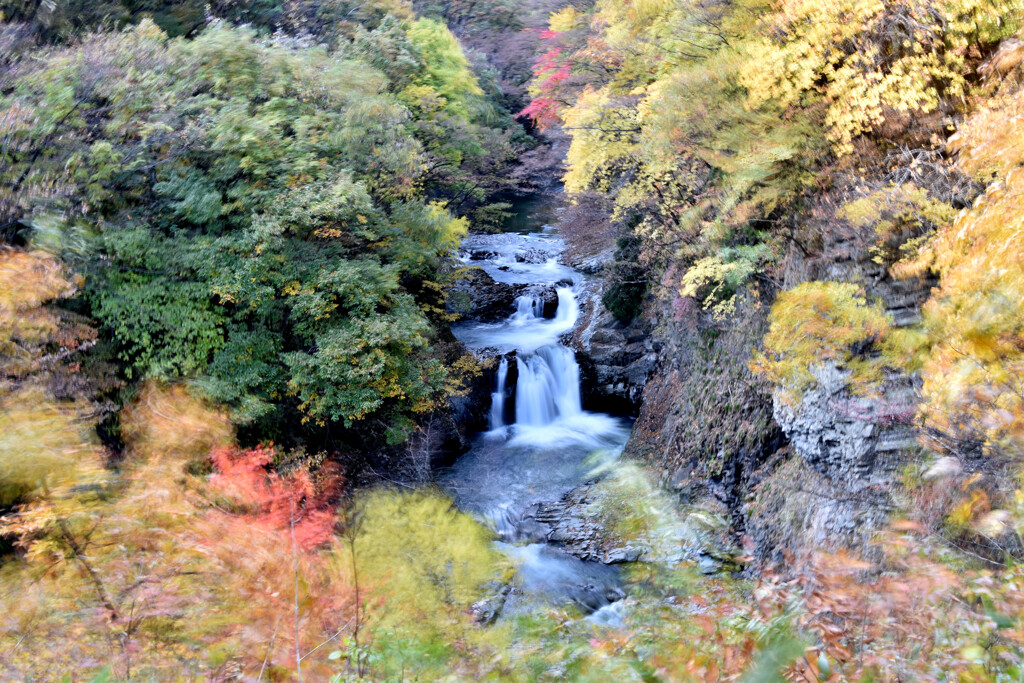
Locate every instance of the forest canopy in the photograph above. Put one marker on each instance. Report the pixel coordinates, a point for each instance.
(260, 214)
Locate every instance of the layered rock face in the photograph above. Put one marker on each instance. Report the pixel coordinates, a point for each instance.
(819, 473)
(844, 473)
(705, 428)
(616, 358)
(850, 438)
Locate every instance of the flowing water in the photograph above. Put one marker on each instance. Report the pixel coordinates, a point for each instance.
(541, 443)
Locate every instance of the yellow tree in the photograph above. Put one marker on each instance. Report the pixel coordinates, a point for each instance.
(974, 321)
(163, 573)
(817, 322)
(870, 58)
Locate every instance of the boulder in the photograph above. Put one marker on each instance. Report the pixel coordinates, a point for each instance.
(477, 296)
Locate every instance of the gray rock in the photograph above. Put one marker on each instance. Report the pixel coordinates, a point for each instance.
(593, 263)
(708, 565)
(487, 610)
(618, 357)
(844, 436)
(621, 555)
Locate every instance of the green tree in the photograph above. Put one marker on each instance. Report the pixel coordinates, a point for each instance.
(248, 211)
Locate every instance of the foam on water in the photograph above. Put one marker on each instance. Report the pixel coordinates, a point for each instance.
(586, 430)
(519, 259)
(526, 330)
(551, 444)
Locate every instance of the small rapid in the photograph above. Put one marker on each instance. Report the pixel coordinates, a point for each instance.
(526, 330)
(541, 443)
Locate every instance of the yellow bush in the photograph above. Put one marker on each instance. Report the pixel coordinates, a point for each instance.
(817, 322)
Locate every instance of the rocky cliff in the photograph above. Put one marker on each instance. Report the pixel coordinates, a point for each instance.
(823, 472)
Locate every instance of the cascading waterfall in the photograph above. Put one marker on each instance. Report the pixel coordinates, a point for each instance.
(552, 444)
(498, 397)
(548, 386)
(528, 308)
(549, 378)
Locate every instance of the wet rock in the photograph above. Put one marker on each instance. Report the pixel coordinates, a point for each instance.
(708, 565)
(590, 597)
(572, 525)
(550, 297)
(477, 296)
(616, 359)
(569, 527)
(621, 555)
(592, 264)
(536, 256)
(531, 530)
(486, 611)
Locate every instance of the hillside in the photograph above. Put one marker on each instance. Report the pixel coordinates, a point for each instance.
(653, 340)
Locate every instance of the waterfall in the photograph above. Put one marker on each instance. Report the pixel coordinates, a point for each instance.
(548, 387)
(528, 308)
(568, 310)
(551, 445)
(498, 397)
(549, 378)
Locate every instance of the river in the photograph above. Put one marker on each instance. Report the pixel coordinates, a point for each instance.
(541, 443)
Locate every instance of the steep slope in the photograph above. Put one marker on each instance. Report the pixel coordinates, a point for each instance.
(757, 154)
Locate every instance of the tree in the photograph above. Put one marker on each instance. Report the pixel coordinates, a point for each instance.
(817, 322)
(974, 323)
(868, 59)
(249, 212)
(159, 571)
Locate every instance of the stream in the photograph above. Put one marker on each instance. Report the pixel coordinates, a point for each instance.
(540, 443)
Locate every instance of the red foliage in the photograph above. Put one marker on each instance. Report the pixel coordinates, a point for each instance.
(547, 62)
(549, 73)
(542, 110)
(277, 501)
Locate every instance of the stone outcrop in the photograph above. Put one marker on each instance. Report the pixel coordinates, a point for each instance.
(487, 610)
(857, 440)
(477, 296)
(591, 263)
(579, 524)
(569, 524)
(615, 358)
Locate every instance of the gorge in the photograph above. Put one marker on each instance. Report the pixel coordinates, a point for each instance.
(380, 341)
(540, 443)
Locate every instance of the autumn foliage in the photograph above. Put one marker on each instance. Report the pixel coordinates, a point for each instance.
(164, 575)
(253, 224)
(274, 502)
(816, 322)
(974, 322)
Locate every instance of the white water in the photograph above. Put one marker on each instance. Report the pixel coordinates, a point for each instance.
(498, 397)
(519, 259)
(528, 308)
(548, 387)
(553, 444)
(526, 330)
(548, 406)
